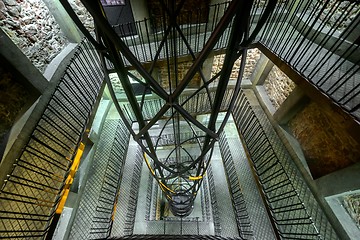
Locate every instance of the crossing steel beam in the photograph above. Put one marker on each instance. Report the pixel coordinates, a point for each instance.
(179, 180)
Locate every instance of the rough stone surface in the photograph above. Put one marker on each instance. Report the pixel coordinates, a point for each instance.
(183, 67)
(84, 16)
(327, 146)
(253, 56)
(33, 29)
(278, 86)
(335, 11)
(352, 205)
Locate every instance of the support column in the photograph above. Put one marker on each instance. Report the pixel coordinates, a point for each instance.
(261, 71)
(292, 105)
(66, 24)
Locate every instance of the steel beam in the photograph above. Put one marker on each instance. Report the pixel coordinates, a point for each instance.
(216, 34)
(93, 7)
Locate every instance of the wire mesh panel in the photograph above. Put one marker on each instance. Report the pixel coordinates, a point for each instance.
(179, 96)
(32, 191)
(109, 192)
(318, 39)
(237, 198)
(193, 26)
(292, 217)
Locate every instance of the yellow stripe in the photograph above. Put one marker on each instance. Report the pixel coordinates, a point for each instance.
(70, 179)
(62, 202)
(168, 197)
(195, 178)
(76, 162)
(166, 187)
(148, 164)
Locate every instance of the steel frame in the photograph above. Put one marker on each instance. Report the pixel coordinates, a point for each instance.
(110, 46)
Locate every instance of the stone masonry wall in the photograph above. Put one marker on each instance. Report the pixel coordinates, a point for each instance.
(253, 56)
(278, 86)
(183, 67)
(33, 29)
(31, 26)
(327, 146)
(352, 205)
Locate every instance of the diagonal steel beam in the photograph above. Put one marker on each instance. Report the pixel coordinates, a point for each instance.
(215, 36)
(236, 36)
(103, 24)
(193, 57)
(166, 34)
(80, 25)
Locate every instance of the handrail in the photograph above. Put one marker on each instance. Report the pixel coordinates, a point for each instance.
(303, 34)
(132, 204)
(106, 205)
(33, 189)
(237, 198)
(283, 197)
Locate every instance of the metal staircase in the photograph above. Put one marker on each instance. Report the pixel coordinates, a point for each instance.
(300, 34)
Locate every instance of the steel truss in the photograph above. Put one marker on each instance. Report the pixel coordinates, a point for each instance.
(179, 179)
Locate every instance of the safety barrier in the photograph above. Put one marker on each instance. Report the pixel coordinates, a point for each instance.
(317, 39)
(280, 184)
(205, 200)
(132, 204)
(106, 204)
(177, 237)
(237, 198)
(195, 105)
(214, 204)
(146, 43)
(33, 189)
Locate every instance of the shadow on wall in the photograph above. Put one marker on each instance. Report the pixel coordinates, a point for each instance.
(326, 144)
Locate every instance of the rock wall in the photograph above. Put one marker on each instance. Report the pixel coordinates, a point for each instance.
(278, 86)
(327, 146)
(253, 56)
(352, 205)
(31, 26)
(337, 10)
(33, 29)
(183, 67)
(84, 16)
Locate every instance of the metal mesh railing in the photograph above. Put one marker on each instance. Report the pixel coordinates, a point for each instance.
(177, 237)
(285, 194)
(195, 105)
(150, 33)
(214, 203)
(106, 204)
(237, 198)
(33, 189)
(133, 197)
(317, 39)
(320, 41)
